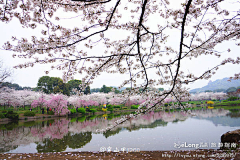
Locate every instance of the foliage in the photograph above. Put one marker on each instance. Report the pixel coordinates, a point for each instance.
(104, 109)
(12, 115)
(92, 117)
(110, 109)
(74, 119)
(2, 116)
(53, 85)
(95, 90)
(134, 107)
(81, 110)
(116, 91)
(4, 111)
(73, 110)
(99, 109)
(116, 106)
(29, 124)
(229, 103)
(219, 90)
(210, 102)
(14, 86)
(11, 125)
(87, 90)
(109, 106)
(231, 89)
(74, 84)
(207, 91)
(29, 113)
(43, 83)
(232, 98)
(105, 89)
(81, 119)
(50, 113)
(92, 110)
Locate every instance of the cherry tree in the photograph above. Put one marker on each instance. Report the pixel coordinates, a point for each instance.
(59, 104)
(82, 101)
(153, 40)
(74, 100)
(116, 101)
(17, 98)
(24, 97)
(134, 100)
(208, 96)
(6, 97)
(40, 101)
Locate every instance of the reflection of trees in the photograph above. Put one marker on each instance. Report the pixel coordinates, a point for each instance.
(234, 113)
(52, 145)
(204, 113)
(57, 145)
(111, 133)
(58, 134)
(219, 117)
(11, 139)
(156, 119)
(12, 135)
(6, 148)
(50, 136)
(87, 126)
(9, 126)
(155, 124)
(224, 121)
(56, 130)
(79, 140)
(151, 119)
(136, 127)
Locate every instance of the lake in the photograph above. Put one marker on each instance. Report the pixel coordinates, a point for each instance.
(147, 132)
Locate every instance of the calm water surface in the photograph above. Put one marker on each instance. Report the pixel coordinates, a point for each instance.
(152, 131)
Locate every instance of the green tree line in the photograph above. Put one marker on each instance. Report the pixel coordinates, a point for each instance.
(56, 85)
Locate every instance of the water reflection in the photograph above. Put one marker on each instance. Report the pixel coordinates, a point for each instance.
(60, 134)
(71, 140)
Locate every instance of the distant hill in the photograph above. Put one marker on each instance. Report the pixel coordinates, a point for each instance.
(14, 86)
(218, 85)
(123, 88)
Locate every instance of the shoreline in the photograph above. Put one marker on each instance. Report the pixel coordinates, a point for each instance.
(46, 116)
(174, 154)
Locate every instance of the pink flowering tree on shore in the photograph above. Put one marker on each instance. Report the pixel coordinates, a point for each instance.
(58, 104)
(208, 96)
(40, 102)
(116, 101)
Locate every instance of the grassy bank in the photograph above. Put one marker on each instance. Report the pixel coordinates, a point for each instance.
(98, 110)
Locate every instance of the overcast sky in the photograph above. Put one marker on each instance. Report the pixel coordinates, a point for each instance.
(30, 76)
